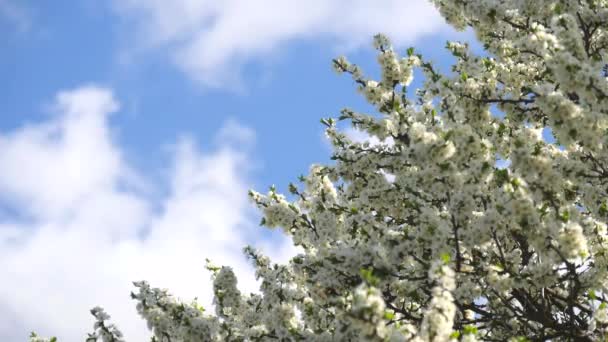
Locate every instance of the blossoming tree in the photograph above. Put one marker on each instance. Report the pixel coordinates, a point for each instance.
(421, 237)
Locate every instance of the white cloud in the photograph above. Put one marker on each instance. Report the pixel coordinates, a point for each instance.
(361, 136)
(78, 228)
(211, 40)
(357, 136)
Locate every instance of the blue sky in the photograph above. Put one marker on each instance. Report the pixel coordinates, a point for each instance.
(131, 130)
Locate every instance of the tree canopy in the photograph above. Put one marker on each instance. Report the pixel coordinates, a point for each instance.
(422, 236)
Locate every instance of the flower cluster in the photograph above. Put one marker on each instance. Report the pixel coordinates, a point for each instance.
(103, 332)
(439, 316)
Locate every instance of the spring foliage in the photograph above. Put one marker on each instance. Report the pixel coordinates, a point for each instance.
(421, 237)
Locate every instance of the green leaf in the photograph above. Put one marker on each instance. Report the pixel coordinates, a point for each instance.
(389, 315)
(367, 274)
(488, 63)
(558, 9)
(395, 105)
(604, 208)
(521, 339)
(537, 149)
(543, 210)
(492, 14)
(565, 216)
(570, 194)
(293, 189)
(501, 129)
(445, 257)
(501, 176)
(485, 166)
(410, 51)
(328, 122)
(464, 76)
(470, 329)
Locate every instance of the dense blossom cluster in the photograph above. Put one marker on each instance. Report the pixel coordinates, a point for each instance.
(103, 332)
(421, 237)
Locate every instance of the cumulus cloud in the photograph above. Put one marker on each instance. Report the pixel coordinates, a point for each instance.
(211, 40)
(77, 226)
(361, 136)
